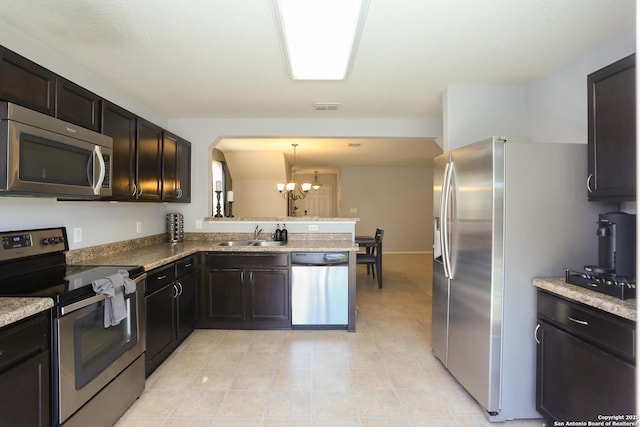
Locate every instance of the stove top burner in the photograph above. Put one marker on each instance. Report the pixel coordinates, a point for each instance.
(606, 283)
(65, 284)
(32, 263)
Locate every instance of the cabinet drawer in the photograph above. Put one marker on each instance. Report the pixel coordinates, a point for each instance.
(610, 332)
(23, 339)
(160, 277)
(185, 266)
(240, 260)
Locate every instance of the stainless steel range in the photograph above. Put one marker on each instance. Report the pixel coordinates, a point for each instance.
(98, 370)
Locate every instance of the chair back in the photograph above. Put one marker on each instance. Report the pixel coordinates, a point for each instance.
(379, 234)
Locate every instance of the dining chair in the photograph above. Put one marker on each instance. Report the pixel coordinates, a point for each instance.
(372, 257)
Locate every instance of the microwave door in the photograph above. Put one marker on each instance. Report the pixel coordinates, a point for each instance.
(48, 163)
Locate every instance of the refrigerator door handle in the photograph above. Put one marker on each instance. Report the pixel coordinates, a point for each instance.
(444, 218)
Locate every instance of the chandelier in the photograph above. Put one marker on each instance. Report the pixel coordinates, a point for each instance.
(316, 184)
(292, 190)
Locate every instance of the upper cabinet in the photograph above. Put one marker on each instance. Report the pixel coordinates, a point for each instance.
(149, 161)
(120, 125)
(75, 104)
(612, 132)
(26, 83)
(176, 169)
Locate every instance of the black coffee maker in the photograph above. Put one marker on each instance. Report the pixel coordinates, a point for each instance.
(616, 245)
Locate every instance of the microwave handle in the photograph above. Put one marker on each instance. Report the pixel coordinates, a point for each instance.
(98, 154)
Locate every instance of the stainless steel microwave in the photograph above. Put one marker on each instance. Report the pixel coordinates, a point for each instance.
(44, 156)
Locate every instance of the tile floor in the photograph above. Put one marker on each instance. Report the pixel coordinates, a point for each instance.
(382, 375)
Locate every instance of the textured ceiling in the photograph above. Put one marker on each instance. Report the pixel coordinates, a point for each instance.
(222, 58)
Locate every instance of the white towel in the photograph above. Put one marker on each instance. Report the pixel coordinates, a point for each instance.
(114, 286)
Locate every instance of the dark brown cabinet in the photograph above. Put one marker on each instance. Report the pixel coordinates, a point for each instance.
(26, 83)
(149, 161)
(171, 306)
(585, 361)
(612, 132)
(77, 105)
(245, 291)
(25, 372)
(120, 125)
(176, 169)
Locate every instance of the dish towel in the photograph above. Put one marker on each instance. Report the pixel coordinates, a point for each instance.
(114, 286)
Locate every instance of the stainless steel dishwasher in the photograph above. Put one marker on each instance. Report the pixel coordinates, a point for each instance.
(319, 288)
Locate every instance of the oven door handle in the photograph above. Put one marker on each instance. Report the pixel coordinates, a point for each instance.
(94, 299)
(82, 304)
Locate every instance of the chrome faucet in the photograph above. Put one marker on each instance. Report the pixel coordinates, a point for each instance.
(256, 232)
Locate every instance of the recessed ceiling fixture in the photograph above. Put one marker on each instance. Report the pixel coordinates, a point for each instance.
(354, 145)
(320, 37)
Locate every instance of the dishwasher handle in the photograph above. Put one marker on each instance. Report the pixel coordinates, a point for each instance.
(320, 259)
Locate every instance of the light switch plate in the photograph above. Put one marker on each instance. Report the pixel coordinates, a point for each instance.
(77, 235)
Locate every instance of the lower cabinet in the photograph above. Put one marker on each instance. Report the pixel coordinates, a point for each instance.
(585, 361)
(25, 376)
(245, 291)
(171, 305)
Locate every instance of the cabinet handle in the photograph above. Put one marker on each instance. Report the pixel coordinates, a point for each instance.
(135, 190)
(188, 265)
(181, 289)
(140, 192)
(161, 277)
(580, 322)
(589, 189)
(176, 293)
(535, 334)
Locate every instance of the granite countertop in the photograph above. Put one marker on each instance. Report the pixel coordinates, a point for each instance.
(14, 309)
(623, 308)
(159, 254)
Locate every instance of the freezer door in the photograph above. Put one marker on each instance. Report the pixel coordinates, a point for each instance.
(440, 293)
(475, 299)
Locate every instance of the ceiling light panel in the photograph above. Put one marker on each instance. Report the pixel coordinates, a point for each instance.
(320, 37)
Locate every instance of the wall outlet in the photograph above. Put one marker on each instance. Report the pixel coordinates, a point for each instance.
(139, 227)
(354, 210)
(198, 224)
(313, 227)
(77, 235)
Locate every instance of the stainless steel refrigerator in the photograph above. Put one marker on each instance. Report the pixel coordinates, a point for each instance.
(504, 212)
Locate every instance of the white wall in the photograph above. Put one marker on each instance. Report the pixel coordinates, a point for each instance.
(552, 109)
(396, 199)
(473, 113)
(557, 104)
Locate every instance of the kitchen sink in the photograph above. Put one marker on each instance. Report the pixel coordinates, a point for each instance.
(250, 243)
(234, 243)
(267, 243)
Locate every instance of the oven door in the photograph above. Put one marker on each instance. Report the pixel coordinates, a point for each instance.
(89, 356)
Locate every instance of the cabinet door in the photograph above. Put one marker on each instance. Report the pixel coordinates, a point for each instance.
(77, 105)
(578, 381)
(187, 305)
(176, 169)
(184, 171)
(225, 296)
(149, 161)
(612, 132)
(24, 393)
(120, 125)
(26, 83)
(161, 328)
(268, 294)
(169, 167)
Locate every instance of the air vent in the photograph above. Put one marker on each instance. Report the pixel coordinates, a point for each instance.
(326, 106)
